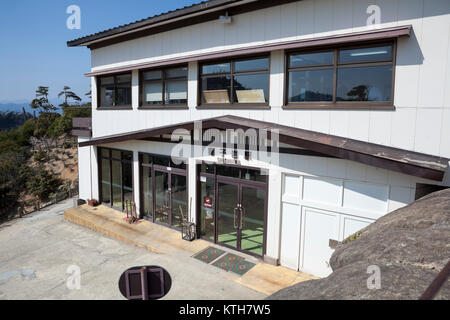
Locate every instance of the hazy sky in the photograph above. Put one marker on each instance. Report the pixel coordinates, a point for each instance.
(33, 36)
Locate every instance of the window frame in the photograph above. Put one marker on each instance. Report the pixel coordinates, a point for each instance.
(115, 76)
(375, 105)
(232, 73)
(164, 105)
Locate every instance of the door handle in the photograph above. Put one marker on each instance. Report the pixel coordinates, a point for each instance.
(235, 215)
(242, 217)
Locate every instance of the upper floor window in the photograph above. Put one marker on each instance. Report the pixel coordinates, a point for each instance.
(243, 81)
(348, 76)
(164, 87)
(114, 90)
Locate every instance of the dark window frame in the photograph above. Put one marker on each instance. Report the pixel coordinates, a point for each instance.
(110, 158)
(115, 76)
(232, 73)
(375, 105)
(163, 80)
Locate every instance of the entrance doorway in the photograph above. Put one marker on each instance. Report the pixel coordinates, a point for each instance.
(163, 190)
(233, 207)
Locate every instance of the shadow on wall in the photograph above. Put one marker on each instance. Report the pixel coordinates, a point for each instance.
(296, 20)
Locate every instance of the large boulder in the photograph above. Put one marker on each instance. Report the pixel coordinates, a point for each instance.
(410, 246)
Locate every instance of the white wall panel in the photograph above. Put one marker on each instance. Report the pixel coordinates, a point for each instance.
(428, 131)
(322, 190)
(365, 196)
(399, 197)
(434, 45)
(403, 128)
(290, 236)
(352, 225)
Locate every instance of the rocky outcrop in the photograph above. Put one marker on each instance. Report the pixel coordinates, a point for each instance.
(410, 246)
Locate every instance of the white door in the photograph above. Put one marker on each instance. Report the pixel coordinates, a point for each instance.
(318, 228)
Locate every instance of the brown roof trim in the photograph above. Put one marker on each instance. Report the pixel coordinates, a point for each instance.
(179, 18)
(371, 35)
(404, 161)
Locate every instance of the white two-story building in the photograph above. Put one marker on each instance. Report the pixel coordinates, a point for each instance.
(278, 127)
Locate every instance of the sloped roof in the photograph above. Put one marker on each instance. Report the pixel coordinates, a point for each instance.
(404, 161)
(196, 13)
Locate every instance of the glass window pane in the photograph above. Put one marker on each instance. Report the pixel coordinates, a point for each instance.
(311, 59)
(147, 192)
(123, 78)
(364, 84)
(216, 89)
(311, 85)
(161, 161)
(252, 88)
(178, 195)
(176, 72)
(127, 155)
(216, 68)
(106, 181)
(123, 95)
(252, 233)
(105, 152)
(161, 197)
(146, 159)
(228, 171)
(207, 168)
(152, 93)
(127, 181)
(254, 64)
(106, 80)
(253, 175)
(207, 208)
(116, 154)
(181, 164)
(107, 96)
(176, 92)
(116, 185)
(151, 75)
(366, 54)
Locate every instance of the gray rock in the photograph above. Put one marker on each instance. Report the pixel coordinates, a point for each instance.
(410, 246)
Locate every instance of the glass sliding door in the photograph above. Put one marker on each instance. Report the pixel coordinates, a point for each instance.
(178, 194)
(116, 177)
(207, 204)
(164, 194)
(162, 197)
(127, 181)
(232, 206)
(227, 222)
(252, 215)
(147, 192)
(106, 181)
(116, 185)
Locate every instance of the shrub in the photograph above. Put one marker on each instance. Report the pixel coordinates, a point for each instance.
(43, 183)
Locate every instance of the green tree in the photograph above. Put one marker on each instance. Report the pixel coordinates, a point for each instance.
(41, 101)
(68, 94)
(43, 184)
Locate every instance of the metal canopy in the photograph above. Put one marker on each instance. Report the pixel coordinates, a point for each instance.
(404, 161)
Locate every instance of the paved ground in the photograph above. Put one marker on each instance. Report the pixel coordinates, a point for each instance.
(36, 251)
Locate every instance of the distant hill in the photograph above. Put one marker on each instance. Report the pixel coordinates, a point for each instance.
(16, 107)
(13, 119)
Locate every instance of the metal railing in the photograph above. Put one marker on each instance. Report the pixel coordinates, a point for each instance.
(37, 205)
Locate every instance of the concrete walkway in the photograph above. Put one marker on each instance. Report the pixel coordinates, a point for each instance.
(36, 251)
(264, 278)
